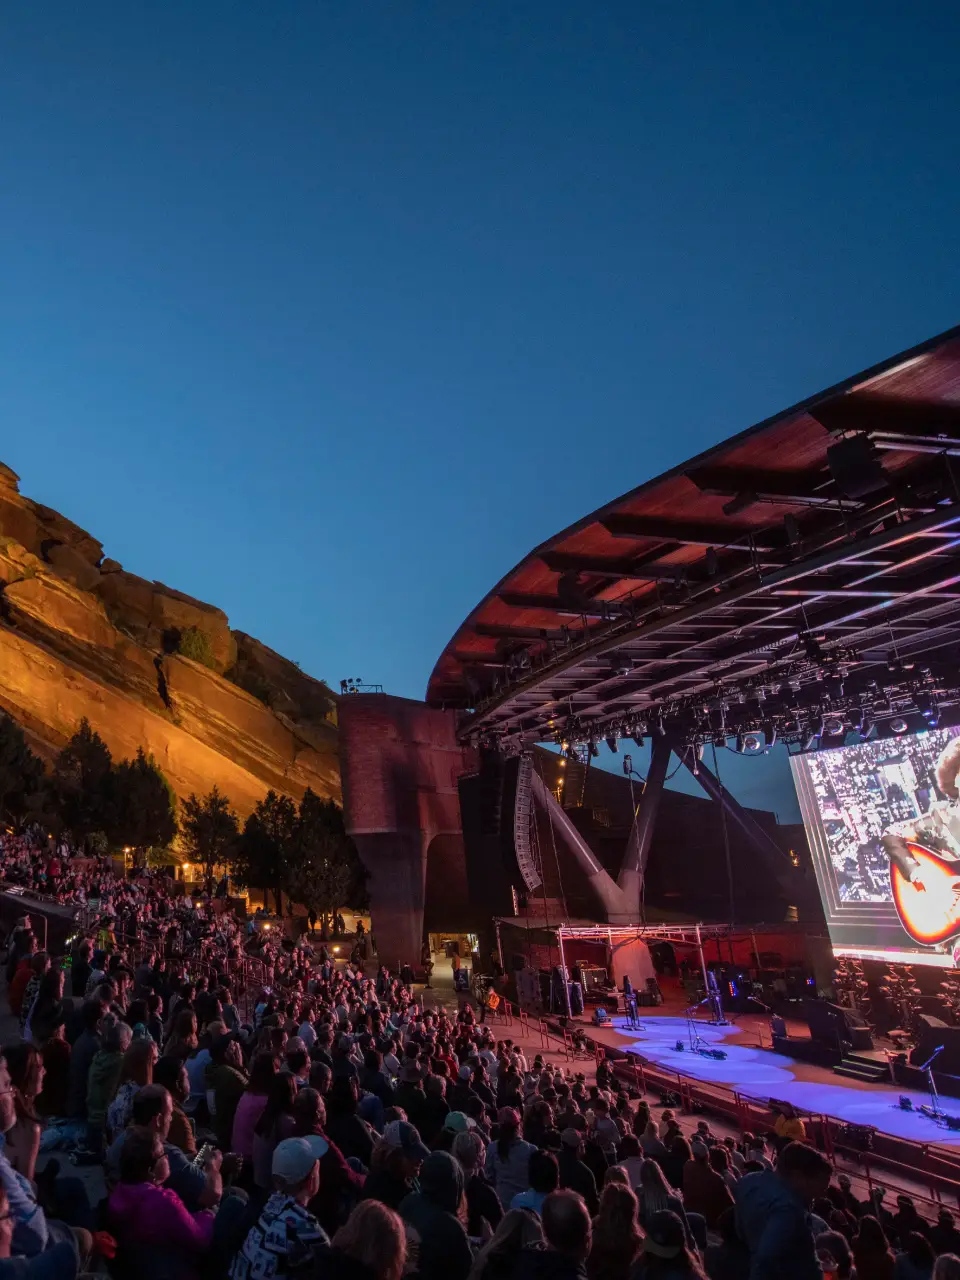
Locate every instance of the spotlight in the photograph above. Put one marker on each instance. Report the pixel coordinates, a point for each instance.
(638, 738)
(833, 727)
(613, 743)
(751, 743)
(769, 734)
(739, 742)
(594, 749)
(898, 725)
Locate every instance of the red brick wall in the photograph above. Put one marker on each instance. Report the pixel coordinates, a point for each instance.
(400, 762)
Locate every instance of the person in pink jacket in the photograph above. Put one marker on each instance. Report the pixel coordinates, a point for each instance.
(157, 1238)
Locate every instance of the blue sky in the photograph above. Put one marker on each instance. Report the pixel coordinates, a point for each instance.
(328, 312)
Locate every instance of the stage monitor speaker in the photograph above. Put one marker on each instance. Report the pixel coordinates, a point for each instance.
(932, 1033)
(576, 998)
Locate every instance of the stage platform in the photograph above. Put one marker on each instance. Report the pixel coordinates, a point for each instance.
(760, 1073)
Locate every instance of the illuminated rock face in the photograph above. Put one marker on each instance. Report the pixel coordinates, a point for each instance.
(79, 638)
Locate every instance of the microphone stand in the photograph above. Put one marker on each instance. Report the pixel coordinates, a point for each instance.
(935, 1111)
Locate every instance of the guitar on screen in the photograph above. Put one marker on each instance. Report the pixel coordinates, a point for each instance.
(926, 892)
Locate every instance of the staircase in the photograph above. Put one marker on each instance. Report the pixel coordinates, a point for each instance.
(862, 1066)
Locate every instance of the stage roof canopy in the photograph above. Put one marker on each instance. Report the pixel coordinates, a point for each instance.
(808, 567)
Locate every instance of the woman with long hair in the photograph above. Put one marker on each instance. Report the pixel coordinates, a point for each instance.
(508, 1158)
(135, 1072)
(650, 1141)
(872, 1256)
(277, 1121)
(374, 1242)
(655, 1195)
(25, 1066)
(351, 1134)
(616, 1236)
(182, 1040)
(263, 1071)
(497, 1259)
(47, 1011)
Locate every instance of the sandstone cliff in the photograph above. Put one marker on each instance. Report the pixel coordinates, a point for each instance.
(81, 637)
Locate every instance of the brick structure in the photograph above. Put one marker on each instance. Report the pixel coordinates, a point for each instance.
(400, 763)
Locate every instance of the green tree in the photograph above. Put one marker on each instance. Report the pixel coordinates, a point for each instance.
(22, 790)
(325, 872)
(82, 778)
(144, 809)
(261, 857)
(210, 829)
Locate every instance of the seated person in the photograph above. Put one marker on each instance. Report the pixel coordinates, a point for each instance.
(286, 1235)
(157, 1237)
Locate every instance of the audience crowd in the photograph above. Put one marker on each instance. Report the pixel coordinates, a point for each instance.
(326, 1125)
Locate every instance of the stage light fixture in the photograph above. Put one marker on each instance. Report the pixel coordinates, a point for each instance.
(613, 743)
(739, 742)
(751, 743)
(594, 749)
(769, 732)
(833, 727)
(898, 725)
(637, 736)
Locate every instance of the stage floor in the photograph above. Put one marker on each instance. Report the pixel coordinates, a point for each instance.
(762, 1073)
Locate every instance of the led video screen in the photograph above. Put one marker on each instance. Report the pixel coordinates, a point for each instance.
(883, 822)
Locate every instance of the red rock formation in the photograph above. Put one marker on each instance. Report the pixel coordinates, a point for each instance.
(79, 637)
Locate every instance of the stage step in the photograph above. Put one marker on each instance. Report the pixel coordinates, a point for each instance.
(859, 1068)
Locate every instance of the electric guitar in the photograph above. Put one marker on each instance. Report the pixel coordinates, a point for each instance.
(929, 904)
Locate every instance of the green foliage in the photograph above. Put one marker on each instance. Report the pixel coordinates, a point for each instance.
(81, 785)
(210, 831)
(325, 872)
(22, 782)
(143, 811)
(194, 643)
(260, 856)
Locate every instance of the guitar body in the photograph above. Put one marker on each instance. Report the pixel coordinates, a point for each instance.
(930, 914)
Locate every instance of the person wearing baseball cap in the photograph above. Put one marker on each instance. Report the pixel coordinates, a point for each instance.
(286, 1234)
(665, 1238)
(395, 1164)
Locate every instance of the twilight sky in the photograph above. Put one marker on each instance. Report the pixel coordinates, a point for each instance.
(327, 312)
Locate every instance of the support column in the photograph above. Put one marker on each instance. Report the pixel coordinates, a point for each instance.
(644, 820)
(762, 842)
(611, 898)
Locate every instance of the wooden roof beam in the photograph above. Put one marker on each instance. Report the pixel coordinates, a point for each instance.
(748, 486)
(722, 537)
(641, 569)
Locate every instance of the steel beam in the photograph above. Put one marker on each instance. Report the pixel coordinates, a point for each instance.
(634, 866)
(754, 832)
